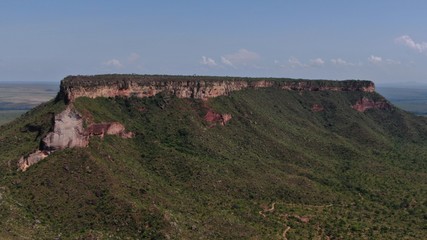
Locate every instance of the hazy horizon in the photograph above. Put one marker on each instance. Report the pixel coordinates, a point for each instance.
(400, 85)
(22, 96)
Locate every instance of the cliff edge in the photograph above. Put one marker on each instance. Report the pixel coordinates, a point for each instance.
(198, 87)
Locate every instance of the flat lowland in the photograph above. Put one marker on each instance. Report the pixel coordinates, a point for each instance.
(17, 98)
(411, 99)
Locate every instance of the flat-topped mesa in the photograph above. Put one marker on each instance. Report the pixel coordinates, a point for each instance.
(198, 87)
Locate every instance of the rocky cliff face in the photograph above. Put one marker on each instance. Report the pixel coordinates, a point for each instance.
(113, 128)
(190, 86)
(69, 132)
(365, 103)
(33, 158)
(213, 117)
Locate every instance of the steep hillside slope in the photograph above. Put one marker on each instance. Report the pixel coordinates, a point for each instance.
(259, 163)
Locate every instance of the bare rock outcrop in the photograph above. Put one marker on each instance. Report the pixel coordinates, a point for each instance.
(68, 132)
(365, 103)
(181, 89)
(214, 117)
(113, 128)
(33, 158)
(196, 87)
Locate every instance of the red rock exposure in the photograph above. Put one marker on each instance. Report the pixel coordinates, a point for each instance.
(317, 108)
(114, 128)
(214, 117)
(365, 103)
(195, 87)
(69, 132)
(303, 219)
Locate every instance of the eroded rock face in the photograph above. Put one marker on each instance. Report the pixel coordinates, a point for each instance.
(214, 117)
(262, 84)
(364, 104)
(31, 159)
(68, 132)
(114, 128)
(189, 89)
(343, 86)
(204, 88)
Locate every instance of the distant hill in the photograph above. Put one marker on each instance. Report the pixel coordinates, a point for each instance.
(177, 157)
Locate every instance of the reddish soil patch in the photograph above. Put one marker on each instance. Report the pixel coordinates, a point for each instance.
(98, 129)
(114, 128)
(303, 219)
(214, 117)
(317, 108)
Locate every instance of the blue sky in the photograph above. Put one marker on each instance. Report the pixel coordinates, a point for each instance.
(384, 41)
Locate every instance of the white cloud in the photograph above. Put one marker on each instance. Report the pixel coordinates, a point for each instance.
(113, 63)
(133, 60)
(375, 59)
(381, 61)
(294, 62)
(208, 62)
(392, 62)
(407, 41)
(317, 62)
(339, 61)
(134, 57)
(241, 57)
(226, 62)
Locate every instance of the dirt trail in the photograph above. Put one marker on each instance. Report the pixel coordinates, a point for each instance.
(285, 217)
(272, 207)
(285, 232)
(268, 210)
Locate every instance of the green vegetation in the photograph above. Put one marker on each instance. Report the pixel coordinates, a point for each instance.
(124, 79)
(337, 173)
(8, 115)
